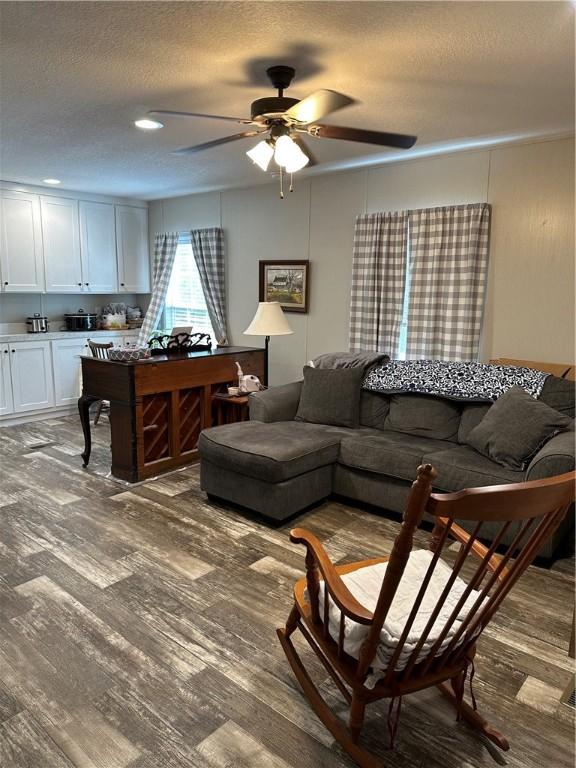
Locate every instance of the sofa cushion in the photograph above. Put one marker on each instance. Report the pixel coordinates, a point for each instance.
(330, 396)
(374, 408)
(424, 415)
(271, 452)
(388, 453)
(515, 428)
(462, 467)
(472, 415)
(559, 394)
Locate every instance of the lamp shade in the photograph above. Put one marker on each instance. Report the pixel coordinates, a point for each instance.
(269, 320)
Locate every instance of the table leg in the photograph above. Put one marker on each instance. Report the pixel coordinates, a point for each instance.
(84, 404)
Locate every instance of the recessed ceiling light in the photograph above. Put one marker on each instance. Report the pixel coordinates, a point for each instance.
(148, 125)
(51, 181)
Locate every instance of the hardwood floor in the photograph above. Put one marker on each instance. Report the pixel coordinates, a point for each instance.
(137, 629)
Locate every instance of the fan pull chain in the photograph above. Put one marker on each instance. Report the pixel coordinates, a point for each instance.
(281, 184)
(291, 182)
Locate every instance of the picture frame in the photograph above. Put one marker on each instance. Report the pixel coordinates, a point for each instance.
(287, 282)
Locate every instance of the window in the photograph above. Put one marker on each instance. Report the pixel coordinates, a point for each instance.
(185, 302)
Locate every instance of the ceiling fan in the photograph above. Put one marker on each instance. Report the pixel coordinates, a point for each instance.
(281, 121)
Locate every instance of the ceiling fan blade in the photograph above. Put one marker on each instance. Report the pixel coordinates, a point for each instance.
(318, 105)
(306, 149)
(171, 113)
(398, 140)
(215, 143)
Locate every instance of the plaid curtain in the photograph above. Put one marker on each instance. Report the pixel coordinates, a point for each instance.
(208, 250)
(164, 253)
(448, 267)
(378, 274)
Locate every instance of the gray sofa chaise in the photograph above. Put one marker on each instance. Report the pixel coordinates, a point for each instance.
(278, 466)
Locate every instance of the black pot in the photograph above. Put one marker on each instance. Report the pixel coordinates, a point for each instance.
(81, 321)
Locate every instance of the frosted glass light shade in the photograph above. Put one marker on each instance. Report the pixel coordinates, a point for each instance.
(288, 155)
(297, 161)
(269, 320)
(261, 154)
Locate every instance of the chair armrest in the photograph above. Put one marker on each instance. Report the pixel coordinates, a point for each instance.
(339, 592)
(555, 458)
(275, 404)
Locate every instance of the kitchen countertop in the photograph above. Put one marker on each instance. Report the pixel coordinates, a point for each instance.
(6, 338)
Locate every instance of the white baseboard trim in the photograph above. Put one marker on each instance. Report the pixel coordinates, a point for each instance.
(14, 419)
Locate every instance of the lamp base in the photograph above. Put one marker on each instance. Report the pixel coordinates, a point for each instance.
(266, 344)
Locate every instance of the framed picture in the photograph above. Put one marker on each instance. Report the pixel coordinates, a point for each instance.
(286, 282)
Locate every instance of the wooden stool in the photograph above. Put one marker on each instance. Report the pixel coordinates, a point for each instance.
(230, 408)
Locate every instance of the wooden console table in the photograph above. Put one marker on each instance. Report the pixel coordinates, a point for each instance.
(158, 407)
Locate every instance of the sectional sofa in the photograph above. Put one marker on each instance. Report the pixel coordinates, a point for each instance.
(278, 466)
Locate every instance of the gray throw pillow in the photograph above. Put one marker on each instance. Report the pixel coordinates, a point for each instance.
(331, 396)
(515, 428)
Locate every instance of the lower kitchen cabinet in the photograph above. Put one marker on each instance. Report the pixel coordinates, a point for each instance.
(31, 374)
(37, 375)
(6, 404)
(67, 369)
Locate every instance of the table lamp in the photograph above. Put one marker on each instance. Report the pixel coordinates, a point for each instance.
(269, 320)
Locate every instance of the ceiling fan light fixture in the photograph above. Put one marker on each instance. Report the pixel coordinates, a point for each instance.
(285, 151)
(148, 125)
(298, 161)
(261, 154)
(288, 155)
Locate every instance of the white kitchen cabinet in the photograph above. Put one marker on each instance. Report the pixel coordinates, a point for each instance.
(61, 239)
(132, 249)
(31, 373)
(6, 403)
(98, 247)
(67, 369)
(21, 258)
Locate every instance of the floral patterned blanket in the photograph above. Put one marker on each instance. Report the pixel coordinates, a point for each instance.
(480, 382)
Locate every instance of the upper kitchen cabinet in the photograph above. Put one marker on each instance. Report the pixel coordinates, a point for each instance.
(60, 235)
(21, 259)
(132, 249)
(98, 247)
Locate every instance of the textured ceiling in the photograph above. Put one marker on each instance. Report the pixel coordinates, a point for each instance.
(74, 75)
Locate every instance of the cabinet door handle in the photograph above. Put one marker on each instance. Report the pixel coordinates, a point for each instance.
(121, 285)
(6, 283)
(5, 351)
(13, 350)
(80, 284)
(86, 283)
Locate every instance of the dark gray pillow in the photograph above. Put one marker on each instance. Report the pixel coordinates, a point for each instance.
(515, 428)
(559, 394)
(472, 415)
(331, 396)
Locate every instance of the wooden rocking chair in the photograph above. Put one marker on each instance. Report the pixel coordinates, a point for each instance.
(435, 642)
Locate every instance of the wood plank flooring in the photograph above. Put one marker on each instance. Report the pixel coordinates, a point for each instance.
(137, 630)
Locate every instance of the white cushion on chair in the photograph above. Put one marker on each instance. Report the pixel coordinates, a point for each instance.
(365, 585)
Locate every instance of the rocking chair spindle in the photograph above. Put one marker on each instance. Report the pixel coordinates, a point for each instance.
(375, 651)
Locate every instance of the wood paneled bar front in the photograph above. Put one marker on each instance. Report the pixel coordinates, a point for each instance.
(158, 407)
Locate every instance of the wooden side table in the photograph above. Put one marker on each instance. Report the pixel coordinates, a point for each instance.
(229, 408)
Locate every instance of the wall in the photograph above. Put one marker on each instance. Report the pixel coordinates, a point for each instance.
(530, 299)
